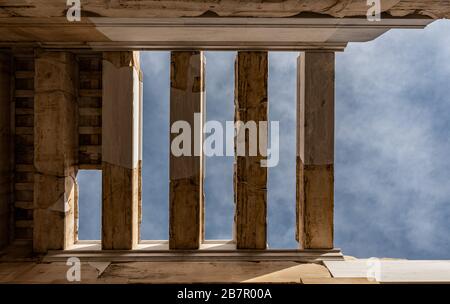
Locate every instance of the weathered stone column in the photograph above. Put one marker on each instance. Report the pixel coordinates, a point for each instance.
(5, 147)
(315, 150)
(55, 148)
(121, 151)
(250, 178)
(187, 86)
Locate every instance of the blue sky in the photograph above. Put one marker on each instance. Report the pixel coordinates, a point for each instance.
(392, 170)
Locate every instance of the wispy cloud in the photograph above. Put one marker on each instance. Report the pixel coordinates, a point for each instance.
(392, 182)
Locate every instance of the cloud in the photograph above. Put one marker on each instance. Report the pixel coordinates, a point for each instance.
(90, 204)
(155, 169)
(392, 183)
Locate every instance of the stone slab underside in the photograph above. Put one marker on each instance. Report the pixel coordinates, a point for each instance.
(224, 8)
(334, 272)
(166, 272)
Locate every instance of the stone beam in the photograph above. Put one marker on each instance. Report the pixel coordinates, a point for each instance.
(315, 150)
(250, 178)
(187, 87)
(224, 8)
(121, 150)
(5, 148)
(55, 148)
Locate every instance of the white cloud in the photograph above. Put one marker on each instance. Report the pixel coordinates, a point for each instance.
(388, 146)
